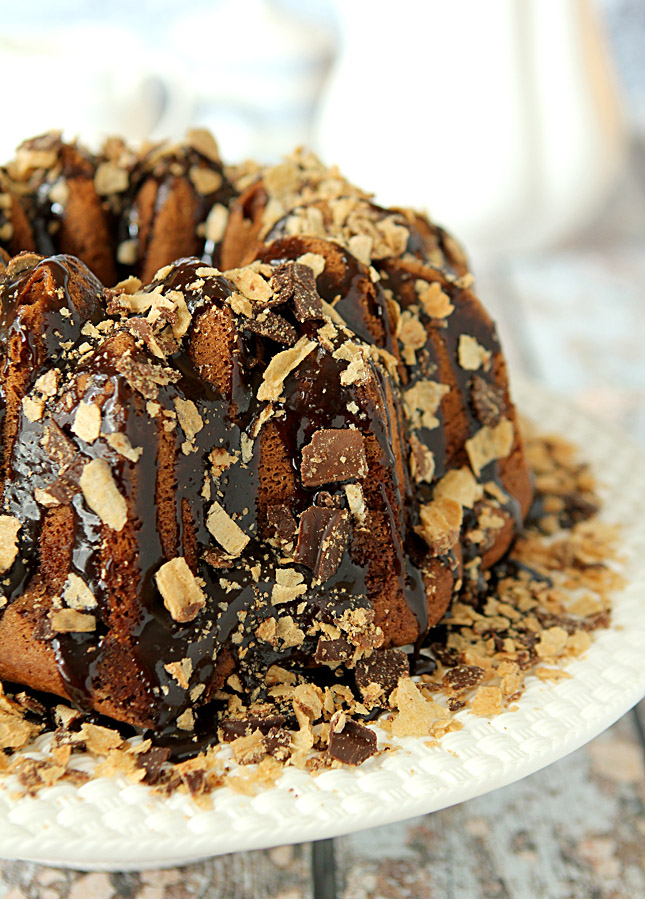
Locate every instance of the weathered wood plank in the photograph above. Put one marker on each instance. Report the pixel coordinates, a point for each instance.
(575, 829)
(280, 873)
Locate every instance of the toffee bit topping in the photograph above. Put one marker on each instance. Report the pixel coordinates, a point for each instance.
(47, 384)
(33, 408)
(460, 486)
(121, 443)
(87, 422)
(282, 365)
(216, 222)
(434, 301)
(416, 714)
(251, 285)
(440, 524)
(186, 721)
(180, 590)
(314, 261)
(220, 460)
(228, 534)
(69, 621)
(322, 540)
(77, 595)
(110, 178)
(206, 181)
(357, 372)
(190, 420)
(334, 454)
(289, 586)
(422, 403)
(181, 672)
(295, 282)
(9, 527)
(472, 355)
(356, 501)
(489, 444)
(102, 495)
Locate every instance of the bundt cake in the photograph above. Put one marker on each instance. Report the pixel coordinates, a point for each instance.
(282, 442)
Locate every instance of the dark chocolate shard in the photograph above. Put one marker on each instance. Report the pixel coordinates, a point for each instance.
(333, 651)
(334, 454)
(152, 763)
(144, 377)
(463, 677)
(232, 728)
(322, 540)
(383, 668)
(295, 282)
(488, 401)
(282, 521)
(350, 742)
(278, 743)
(270, 324)
(59, 447)
(159, 343)
(328, 500)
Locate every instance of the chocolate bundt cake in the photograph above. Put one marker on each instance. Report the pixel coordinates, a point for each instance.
(283, 442)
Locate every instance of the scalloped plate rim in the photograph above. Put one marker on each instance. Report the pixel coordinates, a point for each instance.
(326, 816)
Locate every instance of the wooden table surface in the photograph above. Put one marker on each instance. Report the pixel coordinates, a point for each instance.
(575, 320)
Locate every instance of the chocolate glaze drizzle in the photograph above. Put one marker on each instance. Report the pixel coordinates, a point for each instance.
(169, 491)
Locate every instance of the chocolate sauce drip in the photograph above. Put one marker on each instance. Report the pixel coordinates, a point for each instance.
(171, 489)
(166, 172)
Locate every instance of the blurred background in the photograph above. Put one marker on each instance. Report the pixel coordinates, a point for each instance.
(517, 124)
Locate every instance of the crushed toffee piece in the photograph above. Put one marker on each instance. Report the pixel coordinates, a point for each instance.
(538, 610)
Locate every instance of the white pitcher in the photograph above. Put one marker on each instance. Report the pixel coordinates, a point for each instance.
(500, 117)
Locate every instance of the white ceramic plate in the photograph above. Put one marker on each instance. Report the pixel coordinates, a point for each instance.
(110, 824)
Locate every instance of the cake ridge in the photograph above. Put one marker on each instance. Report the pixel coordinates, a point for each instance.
(214, 474)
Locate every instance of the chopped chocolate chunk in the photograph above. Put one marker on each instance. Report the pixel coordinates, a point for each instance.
(350, 742)
(295, 281)
(278, 743)
(59, 447)
(328, 501)
(145, 377)
(488, 401)
(333, 650)
(270, 324)
(152, 763)
(448, 656)
(281, 519)
(232, 728)
(334, 454)
(383, 668)
(463, 677)
(159, 343)
(322, 540)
